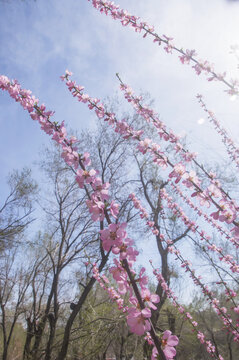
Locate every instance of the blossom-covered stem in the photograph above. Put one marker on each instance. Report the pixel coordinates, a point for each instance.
(165, 134)
(220, 311)
(187, 266)
(231, 147)
(104, 283)
(98, 196)
(187, 56)
(97, 203)
(136, 319)
(159, 157)
(231, 294)
(152, 332)
(199, 212)
(177, 210)
(201, 337)
(127, 132)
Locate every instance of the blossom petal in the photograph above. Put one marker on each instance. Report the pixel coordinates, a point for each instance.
(146, 313)
(172, 340)
(169, 352)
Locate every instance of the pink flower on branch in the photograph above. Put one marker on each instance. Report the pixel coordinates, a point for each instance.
(191, 179)
(150, 299)
(178, 211)
(113, 236)
(197, 280)
(186, 56)
(188, 317)
(168, 343)
(138, 320)
(70, 156)
(85, 177)
(230, 145)
(178, 171)
(97, 206)
(101, 189)
(159, 157)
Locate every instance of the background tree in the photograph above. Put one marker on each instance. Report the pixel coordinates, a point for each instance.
(16, 210)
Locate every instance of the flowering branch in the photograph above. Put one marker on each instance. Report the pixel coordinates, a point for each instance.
(186, 56)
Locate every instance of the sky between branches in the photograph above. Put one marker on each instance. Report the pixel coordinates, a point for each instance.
(39, 40)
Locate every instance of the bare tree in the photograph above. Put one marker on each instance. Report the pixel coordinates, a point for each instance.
(15, 281)
(16, 210)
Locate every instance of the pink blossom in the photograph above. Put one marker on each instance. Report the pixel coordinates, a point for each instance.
(86, 159)
(144, 145)
(137, 320)
(214, 191)
(168, 343)
(129, 253)
(118, 272)
(187, 56)
(101, 190)
(228, 216)
(236, 309)
(113, 236)
(143, 279)
(70, 156)
(114, 209)
(189, 179)
(96, 208)
(85, 177)
(178, 171)
(149, 298)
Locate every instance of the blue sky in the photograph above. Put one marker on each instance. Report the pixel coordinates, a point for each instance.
(40, 39)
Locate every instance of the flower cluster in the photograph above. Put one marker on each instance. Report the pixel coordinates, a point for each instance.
(168, 343)
(104, 283)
